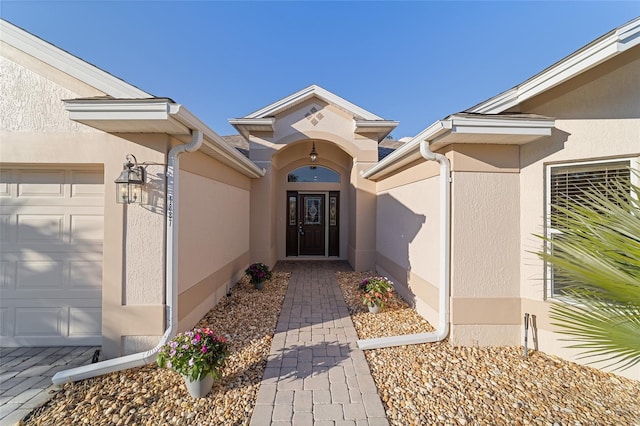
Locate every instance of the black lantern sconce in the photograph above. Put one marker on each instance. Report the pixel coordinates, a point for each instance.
(129, 183)
(313, 155)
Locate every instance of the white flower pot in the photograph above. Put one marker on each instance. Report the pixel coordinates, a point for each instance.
(374, 309)
(199, 388)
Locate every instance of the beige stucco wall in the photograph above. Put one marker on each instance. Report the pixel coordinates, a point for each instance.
(597, 117)
(484, 240)
(214, 206)
(35, 130)
(408, 235)
(484, 258)
(340, 149)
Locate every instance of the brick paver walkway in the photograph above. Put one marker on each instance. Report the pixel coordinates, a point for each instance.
(25, 377)
(316, 375)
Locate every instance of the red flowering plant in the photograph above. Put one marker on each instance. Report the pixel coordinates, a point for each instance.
(195, 353)
(378, 291)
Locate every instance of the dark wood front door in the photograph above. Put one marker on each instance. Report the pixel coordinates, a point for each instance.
(308, 224)
(311, 224)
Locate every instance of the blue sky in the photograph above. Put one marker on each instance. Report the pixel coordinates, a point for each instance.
(415, 62)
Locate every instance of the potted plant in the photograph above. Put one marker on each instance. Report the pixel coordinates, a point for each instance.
(259, 273)
(377, 291)
(198, 355)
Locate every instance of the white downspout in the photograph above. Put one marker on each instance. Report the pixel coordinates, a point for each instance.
(445, 264)
(171, 262)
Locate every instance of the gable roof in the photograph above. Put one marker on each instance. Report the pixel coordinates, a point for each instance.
(68, 63)
(264, 119)
(598, 51)
(308, 93)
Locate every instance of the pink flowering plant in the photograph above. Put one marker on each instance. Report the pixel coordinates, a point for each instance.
(377, 291)
(258, 272)
(195, 354)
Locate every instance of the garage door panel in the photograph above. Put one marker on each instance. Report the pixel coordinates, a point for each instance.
(38, 274)
(87, 184)
(52, 230)
(86, 227)
(42, 228)
(85, 321)
(85, 274)
(38, 321)
(41, 183)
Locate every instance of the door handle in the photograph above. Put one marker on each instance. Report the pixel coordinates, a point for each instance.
(300, 230)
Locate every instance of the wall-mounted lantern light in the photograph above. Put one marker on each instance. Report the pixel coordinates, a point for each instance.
(129, 183)
(313, 155)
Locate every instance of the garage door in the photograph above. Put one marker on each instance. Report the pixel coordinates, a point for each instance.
(51, 232)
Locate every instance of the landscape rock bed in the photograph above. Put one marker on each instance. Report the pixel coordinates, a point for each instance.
(436, 383)
(419, 384)
(153, 396)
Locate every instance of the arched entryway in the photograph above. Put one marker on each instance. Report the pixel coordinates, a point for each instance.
(313, 201)
(281, 137)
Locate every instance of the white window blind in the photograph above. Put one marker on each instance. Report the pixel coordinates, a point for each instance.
(568, 184)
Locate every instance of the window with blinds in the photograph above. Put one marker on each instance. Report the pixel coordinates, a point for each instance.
(568, 185)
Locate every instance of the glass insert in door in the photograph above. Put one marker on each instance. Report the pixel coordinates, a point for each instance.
(313, 211)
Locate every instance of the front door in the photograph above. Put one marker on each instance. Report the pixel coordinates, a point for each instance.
(308, 224)
(311, 224)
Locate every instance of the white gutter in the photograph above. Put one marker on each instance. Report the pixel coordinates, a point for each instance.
(171, 252)
(217, 144)
(408, 152)
(445, 264)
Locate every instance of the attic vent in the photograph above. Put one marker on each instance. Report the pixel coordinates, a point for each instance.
(314, 116)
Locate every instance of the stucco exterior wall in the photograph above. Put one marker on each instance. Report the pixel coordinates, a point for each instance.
(35, 130)
(407, 236)
(214, 203)
(484, 258)
(597, 117)
(485, 304)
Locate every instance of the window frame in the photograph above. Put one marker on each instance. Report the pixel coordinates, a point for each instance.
(549, 231)
(322, 182)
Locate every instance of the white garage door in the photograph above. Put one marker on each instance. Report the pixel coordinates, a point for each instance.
(51, 232)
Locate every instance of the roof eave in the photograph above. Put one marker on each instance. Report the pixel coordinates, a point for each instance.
(158, 115)
(247, 125)
(460, 129)
(380, 127)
